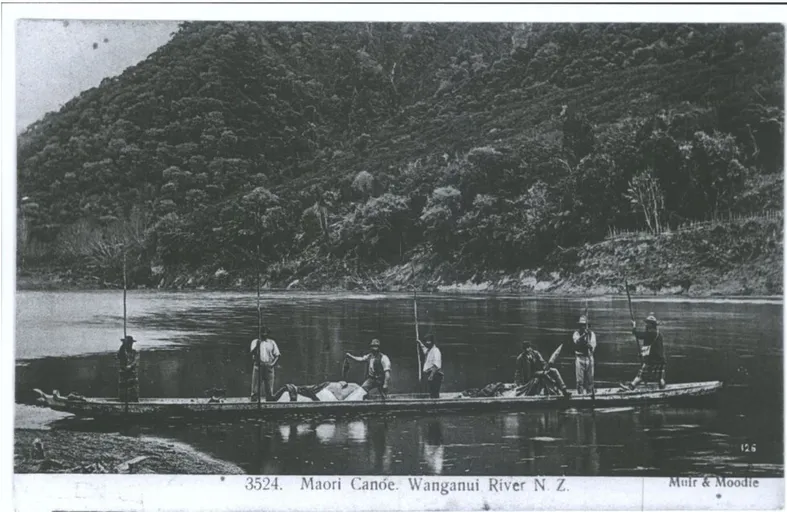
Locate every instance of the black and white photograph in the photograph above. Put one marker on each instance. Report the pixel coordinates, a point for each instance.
(319, 254)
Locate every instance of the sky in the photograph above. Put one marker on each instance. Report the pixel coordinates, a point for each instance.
(56, 59)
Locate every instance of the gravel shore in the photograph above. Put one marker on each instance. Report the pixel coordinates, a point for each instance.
(94, 452)
(40, 447)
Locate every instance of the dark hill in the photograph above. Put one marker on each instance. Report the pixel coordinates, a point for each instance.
(326, 150)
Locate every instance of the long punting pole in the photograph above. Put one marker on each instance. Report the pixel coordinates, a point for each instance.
(125, 287)
(259, 334)
(631, 312)
(417, 336)
(592, 389)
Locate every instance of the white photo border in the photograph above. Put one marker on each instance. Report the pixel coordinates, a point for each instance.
(179, 492)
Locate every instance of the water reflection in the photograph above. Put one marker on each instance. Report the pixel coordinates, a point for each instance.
(433, 451)
(583, 430)
(325, 432)
(379, 452)
(655, 440)
(207, 336)
(356, 431)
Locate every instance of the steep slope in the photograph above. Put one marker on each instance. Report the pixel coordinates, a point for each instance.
(357, 147)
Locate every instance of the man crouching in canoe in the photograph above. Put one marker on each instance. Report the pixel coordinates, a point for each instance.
(534, 374)
(653, 362)
(378, 373)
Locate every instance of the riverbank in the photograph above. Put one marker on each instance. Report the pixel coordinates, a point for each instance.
(96, 452)
(38, 448)
(737, 258)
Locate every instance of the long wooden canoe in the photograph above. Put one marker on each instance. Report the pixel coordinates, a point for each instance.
(171, 408)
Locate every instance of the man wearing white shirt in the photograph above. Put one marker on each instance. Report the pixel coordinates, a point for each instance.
(584, 348)
(265, 354)
(433, 365)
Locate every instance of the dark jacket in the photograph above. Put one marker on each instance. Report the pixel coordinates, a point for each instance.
(527, 365)
(128, 360)
(377, 363)
(653, 340)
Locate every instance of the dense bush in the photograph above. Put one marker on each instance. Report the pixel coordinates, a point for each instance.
(486, 146)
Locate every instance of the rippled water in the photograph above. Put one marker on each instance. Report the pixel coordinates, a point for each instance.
(194, 341)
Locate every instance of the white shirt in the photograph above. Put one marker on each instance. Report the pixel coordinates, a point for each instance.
(433, 358)
(268, 350)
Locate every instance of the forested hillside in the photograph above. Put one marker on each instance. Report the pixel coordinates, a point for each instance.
(372, 155)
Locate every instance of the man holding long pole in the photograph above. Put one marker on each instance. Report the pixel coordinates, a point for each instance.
(432, 369)
(584, 347)
(128, 358)
(654, 363)
(128, 382)
(265, 354)
(433, 365)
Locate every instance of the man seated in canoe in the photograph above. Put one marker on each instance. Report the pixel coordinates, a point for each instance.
(341, 391)
(378, 372)
(535, 376)
(654, 364)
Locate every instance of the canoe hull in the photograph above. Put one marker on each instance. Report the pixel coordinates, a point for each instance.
(161, 408)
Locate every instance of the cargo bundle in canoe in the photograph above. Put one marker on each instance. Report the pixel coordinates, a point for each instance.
(172, 408)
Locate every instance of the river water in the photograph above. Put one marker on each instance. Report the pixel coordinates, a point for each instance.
(193, 341)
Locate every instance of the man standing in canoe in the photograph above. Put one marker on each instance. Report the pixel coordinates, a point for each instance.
(378, 373)
(265, 355)
(534, 374)
(584, 347)
(654, 363)
(128, 382)
(433, 365)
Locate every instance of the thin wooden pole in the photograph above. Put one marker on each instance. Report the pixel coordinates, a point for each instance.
(592, 354)
(417, 335)
(631, 312)
(259, 309)
(125, 286)
(259, 334)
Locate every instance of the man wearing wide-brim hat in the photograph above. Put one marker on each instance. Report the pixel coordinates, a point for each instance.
(654, 364)
(128, 382)
(378, 373)
(265, 354)
(584, 349)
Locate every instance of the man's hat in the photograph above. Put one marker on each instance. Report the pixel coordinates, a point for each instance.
(375, 343)
(652, 319)
(128, 338)
(526, 345)
(583, 319)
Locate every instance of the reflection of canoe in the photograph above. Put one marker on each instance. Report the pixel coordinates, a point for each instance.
(159, 408)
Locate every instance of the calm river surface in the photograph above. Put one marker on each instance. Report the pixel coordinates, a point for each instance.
(190, 342)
